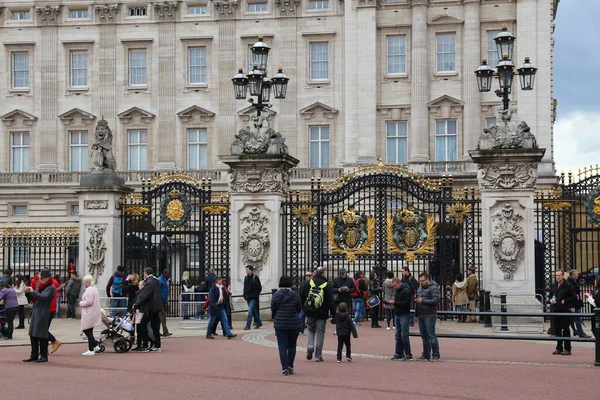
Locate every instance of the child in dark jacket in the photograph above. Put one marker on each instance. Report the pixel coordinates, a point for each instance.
(344, 327)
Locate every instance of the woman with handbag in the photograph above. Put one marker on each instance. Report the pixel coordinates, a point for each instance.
(373, 301)
(187, 287)
(388, 297)
(286, 307)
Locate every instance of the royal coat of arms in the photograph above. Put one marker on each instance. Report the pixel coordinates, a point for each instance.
(411, 234)
(351, 234)
(592, 206)
(175, 210)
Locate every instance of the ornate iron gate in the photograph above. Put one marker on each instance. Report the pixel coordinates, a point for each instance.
(381, 218)
(568, 229)
(176, 223)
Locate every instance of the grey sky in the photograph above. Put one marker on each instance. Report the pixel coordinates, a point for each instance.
(576, 58)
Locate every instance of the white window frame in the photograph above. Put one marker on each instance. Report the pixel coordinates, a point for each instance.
(16, 208)
(201, 163)
(78, 13)
(140, 146)
(446, 136)
(315, 62)
(318, 4)
(74, 209)
(491, 52)
(203, 75)
(400, 135)
(319, 142)
(80, 148)
(24, 149)
(20, 15)
(445, 52)
(192, 9)
(401, 56)
(143, 68)
(22, 70)
(137, 12)
(254, 4)
(73, 69)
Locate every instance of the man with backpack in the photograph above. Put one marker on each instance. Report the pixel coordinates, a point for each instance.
(114, 288)
(358, 302)
(318, 305)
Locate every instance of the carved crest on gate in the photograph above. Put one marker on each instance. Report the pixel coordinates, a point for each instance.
(592, 206)
(351, 234)
(175, 209)
(411, 234)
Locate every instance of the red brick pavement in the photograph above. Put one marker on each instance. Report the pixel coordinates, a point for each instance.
(196, 368)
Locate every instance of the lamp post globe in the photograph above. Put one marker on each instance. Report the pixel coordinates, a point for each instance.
(266, 88)
(280, 82)
(505, 42)
(240, 84)
(506, 72)
(255, 78)
(484, 74)
(527, 74)
(260, 53)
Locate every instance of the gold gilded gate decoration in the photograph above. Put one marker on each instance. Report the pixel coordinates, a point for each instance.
(175, 209)
(351, 234)
(410, 234)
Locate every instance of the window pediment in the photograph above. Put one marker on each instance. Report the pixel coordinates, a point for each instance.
(249, 111)
(445, 107)
(317, 109)
(445, 19)
(189, 113)
(10, 118)
(128, 115)
(69, 116)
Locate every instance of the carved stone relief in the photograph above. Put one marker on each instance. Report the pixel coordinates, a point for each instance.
(225, 6)
(107, 11)
(259, 138)
(507, 133)
(254, 238)
(102, 155)
(166, 8)
(508, 240)
(95, 204)
(48, 13)
(287, 5)
(254, 180)
(96, 249)
(515, 176)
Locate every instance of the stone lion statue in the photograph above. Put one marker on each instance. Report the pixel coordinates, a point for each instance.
(102, 156)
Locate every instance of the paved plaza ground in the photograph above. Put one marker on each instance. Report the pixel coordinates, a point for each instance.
(248, 368)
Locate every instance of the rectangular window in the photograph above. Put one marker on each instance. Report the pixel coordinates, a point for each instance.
(446, 52)
(319, 61)
(197, 148)
(78, 14)
(138, 150)
(492, 53)
(20, 152)
(19, 210)
(20, 15)
(20, 255)
(319, 146)
(396, 54)
(196, 65)
(74, 209)
(258, 7)
(78, 150)
(197, 10)
(396, 142)
(445, 140)
(20, 70)
(79, 68)
(318, 4)
(137, 67)
(137, 11)
(490, 121)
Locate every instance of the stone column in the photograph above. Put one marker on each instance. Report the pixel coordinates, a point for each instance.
(419, 85)
(257, 188)
(471, 60)
(351, 67)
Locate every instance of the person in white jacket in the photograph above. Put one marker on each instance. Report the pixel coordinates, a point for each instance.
(90, 314)
(21, 298)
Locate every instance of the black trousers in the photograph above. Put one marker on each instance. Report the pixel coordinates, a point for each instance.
(154, 319)
(21, 317)
(562, 329)
(39, 347)
(375, 316)
(91, 339)
(71, 306)
(10, 316)
(344, 340)
(51, 337)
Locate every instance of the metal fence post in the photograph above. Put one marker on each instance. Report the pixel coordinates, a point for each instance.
(596, 332)
(488, 306)
(481, 305)
(503, 309)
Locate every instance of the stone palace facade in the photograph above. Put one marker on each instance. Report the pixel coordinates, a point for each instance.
(368, 79)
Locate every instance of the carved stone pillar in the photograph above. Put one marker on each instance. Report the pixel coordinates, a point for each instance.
(507, 159)
(419, 86)
(471, 96)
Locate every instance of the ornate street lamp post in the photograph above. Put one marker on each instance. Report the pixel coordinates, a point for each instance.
(257, 82)
(505, 70)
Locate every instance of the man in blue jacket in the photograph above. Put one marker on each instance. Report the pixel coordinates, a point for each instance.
(164, 298)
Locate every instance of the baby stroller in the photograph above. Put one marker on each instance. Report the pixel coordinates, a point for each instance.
(120, 330)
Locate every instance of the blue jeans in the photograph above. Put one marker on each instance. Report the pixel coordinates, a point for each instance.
(185, 304)
(253, 312)
(401, 322)
(303, 321)
(286, 342)
(119, 307)
(220, 312)
(359, 308)
(430, 341)
(58, 300)
(577, 320)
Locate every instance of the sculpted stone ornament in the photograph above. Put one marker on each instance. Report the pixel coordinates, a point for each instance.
(102, 155)
(95, 204)
(508, 240)
(96, 249)
(507, 133)
(254, 238)
(516, 176)
(254, 180)
(259, 138)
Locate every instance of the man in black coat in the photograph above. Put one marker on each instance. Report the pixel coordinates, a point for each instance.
(252, 289)
(576, 324)
(343, 286)
(562, 297)
(402, 300)
(149, 302)
(317, 319)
